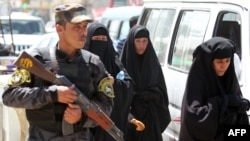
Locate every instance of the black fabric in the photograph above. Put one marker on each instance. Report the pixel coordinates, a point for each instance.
(100, 31)
(104, 50)
(99, 48)
(123, 88)
(206, 107)
(150, 103)
(223, 52)
(142, 34)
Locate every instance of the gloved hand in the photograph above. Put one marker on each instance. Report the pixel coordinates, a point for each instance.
(244, 106)
(139, 125)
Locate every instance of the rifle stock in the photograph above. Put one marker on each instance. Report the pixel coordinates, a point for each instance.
(93, 111)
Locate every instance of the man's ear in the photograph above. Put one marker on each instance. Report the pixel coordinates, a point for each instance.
(59, 28)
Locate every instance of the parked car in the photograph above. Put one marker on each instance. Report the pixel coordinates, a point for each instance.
(20, 31)
(116, 19)
(178, 27)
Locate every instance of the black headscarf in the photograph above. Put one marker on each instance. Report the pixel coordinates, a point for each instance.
(150, 103)
(104, 49)
(203, 56)
(140, 67)
(204, 106)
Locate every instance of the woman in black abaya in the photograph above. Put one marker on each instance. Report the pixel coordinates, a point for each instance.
(212, 98)
(100, 43)
(150, 102)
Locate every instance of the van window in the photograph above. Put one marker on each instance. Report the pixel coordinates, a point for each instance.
(189, 35)
(124, 29)
(160, 25)
(152, 19)
(229, 26)
(114, 29)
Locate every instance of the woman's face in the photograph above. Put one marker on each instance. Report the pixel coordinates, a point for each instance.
(221, 65)
(141, 45)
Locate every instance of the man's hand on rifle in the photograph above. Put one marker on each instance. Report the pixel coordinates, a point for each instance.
(73, 113)
(66, 94)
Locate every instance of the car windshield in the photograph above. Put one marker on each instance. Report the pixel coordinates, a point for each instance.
(22, 27)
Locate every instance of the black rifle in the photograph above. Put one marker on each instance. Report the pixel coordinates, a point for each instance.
(31, 64)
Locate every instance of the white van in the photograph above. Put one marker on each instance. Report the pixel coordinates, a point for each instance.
(177, 27)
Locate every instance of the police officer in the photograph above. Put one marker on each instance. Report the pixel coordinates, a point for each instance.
(48, 104)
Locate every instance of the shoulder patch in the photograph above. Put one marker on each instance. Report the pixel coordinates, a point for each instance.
(19, 77)
(106, 87)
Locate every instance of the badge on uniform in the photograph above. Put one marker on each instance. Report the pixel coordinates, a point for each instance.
(19, 77)
(106, 87)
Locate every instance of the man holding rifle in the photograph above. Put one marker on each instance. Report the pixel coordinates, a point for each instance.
(50, 105)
